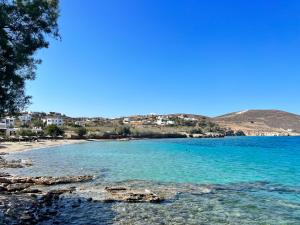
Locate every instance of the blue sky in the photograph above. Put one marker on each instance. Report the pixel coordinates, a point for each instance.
(123, 57)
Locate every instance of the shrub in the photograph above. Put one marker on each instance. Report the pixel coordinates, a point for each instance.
(81, 131)
(54, 131)
(123, 130)
(25, 132)
(196, 131)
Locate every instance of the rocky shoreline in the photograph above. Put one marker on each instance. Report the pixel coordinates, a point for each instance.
(22, 202)
(27, 200)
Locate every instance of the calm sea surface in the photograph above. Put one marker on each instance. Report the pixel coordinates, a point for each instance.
(255, 180)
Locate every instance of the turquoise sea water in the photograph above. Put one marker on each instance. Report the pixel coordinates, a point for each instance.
(256, 180)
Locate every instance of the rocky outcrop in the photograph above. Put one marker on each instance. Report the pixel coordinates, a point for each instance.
(29, 209)
(61, 180)
(22, 203)
(129, 195)
(20, 163)
(16, 184)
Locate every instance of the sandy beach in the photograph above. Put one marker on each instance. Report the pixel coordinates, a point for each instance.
(10, 147)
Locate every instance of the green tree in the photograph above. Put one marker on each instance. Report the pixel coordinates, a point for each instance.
(37, 123)
(25, 132)
(81, 131)
(24, 27)
(54, 131)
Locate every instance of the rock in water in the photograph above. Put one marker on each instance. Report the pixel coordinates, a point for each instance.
(17, 187)
(61, 180)
(129, 195)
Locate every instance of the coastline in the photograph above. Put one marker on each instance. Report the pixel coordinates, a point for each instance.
(61, 198)
(12, 147)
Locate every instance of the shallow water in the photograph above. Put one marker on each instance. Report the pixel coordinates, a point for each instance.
(255, 180)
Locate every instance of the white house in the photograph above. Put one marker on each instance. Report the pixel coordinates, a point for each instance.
(190, 119)
(161, 121)
(126, 120)
(10, 122)
(7, 125)
(54, 121)
(170, 122)
(3, 124)
(36, 129)
(25, 119)
(80, 123)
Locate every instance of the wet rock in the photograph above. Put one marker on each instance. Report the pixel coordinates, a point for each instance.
(21, 180)
(5, 180)
(14, 163)
(11, 165)
(51, 212)
(115, 189)
(44, 180)
(26, 217)
(129, 195)
(49, 197)
(61, 180)
(3, 174)
(17, 187)
(75, 205)
(32, 191)
(2, 189)
(26, 162)
(21, 203)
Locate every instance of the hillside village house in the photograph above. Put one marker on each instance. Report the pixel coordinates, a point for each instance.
(80, 123)
(54, 121)
(25, 119)
(126, 120)
(9, 122)
(7, 125)
(3, 126)
(161, 121)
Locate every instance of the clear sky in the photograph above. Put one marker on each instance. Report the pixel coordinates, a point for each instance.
(123, 57)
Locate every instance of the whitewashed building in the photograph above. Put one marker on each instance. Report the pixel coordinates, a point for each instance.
(126, 120)
(161, 121)
(80, 123)
(7, 125)
(54, 121)
(25, 119)
(3, 124)
(9, 122)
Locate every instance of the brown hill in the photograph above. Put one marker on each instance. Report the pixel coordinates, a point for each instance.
(261, 122)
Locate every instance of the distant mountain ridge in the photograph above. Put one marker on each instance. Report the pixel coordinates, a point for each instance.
(261, 122)
(254, 122)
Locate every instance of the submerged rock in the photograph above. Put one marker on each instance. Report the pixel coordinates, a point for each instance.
(129, 195)
(14, 163)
